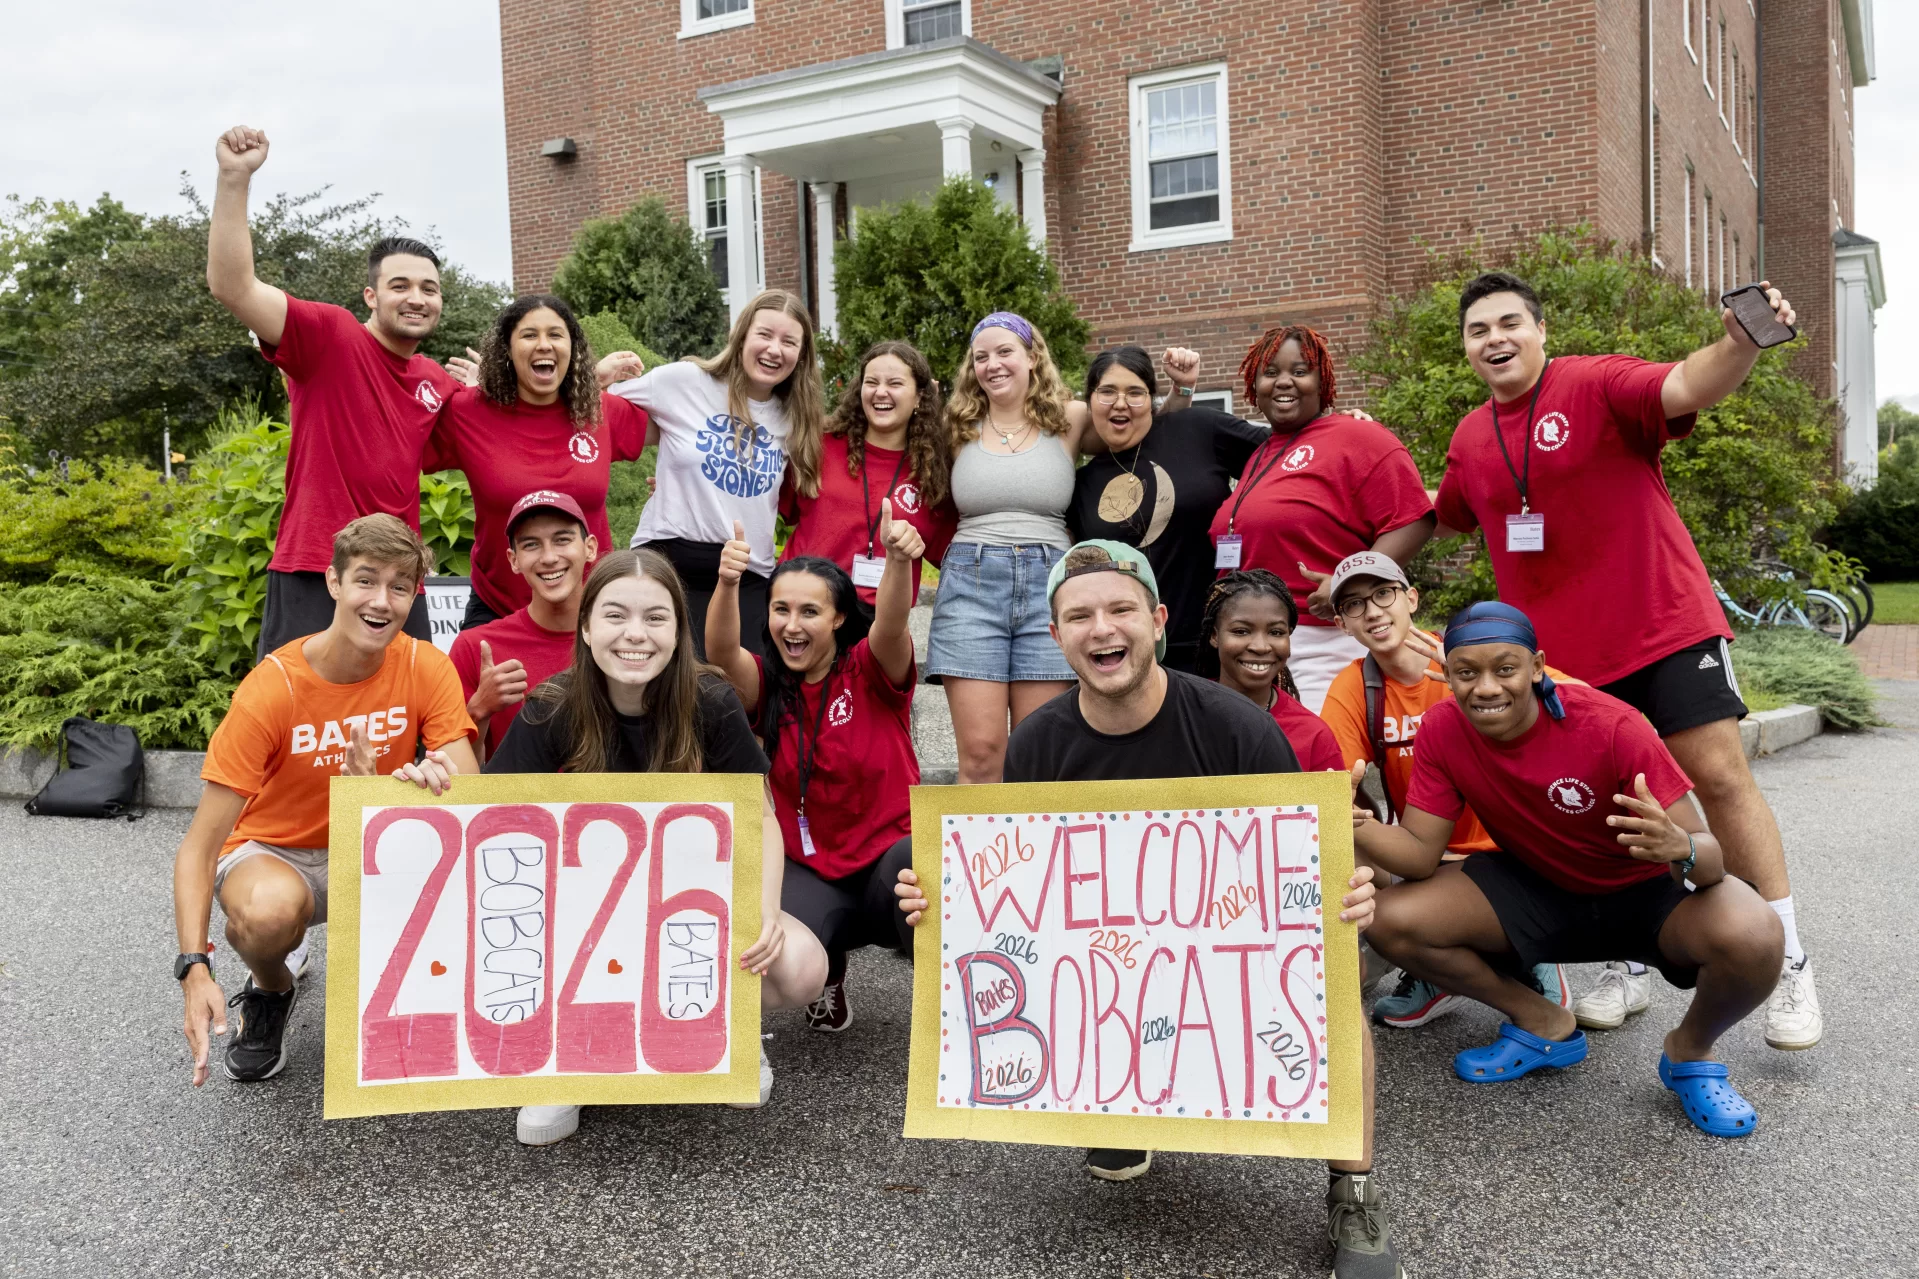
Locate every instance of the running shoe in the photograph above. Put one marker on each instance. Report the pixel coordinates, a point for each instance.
(1617, 995)
(1415, 1003)
(544, 1125)
(1361, 1234)
(258, 1048)
(1550, 981)
(766, 1085)
(1118, 1165)
(830, 1013)
(1793, 1019)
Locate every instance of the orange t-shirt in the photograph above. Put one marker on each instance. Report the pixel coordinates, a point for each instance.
(288, 729)
(1402, 709)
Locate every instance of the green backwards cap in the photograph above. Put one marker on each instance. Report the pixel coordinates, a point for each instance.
(1097, 555)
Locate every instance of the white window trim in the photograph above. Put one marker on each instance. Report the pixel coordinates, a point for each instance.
(1685, 23)
(696, 171)
(1221, 400)
(691, 24)
(1144, 237)
(1720, 73)
(1730, 112)
(1704, 58)
(896, 22)
(1686, 223)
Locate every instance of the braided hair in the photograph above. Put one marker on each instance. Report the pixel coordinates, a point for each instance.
(1312, 348)
(1246, 583)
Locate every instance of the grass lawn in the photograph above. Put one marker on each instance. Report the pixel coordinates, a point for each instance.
(1895, 603)
(1758, 699)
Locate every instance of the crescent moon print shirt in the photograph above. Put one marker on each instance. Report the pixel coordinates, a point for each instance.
(1160, 497)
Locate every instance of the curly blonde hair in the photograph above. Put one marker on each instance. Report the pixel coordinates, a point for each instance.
(803, 391)
(1046, 394)
(929, 445)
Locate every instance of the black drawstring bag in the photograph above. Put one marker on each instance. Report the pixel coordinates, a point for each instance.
(103, 773)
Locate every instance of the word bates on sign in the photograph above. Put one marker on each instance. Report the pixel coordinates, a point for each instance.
(507, 940)
(1149, 963)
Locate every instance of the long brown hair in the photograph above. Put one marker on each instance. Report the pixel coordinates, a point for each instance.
(803, 391)
(578, 694)
(1046, 394)
(500, 383)
(929, 446)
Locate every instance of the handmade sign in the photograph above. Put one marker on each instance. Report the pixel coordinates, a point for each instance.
(540, 940)
(1138, 965)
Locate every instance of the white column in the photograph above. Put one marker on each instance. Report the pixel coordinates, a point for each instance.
(739, 232)
(956, 147)
(829, 297)
(1032, 169)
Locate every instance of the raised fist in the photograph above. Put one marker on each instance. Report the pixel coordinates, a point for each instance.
(241, 149)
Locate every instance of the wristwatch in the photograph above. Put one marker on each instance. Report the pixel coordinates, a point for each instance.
(183, 963)
(1186, 391)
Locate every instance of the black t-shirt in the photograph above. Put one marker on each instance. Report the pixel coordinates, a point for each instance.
(1185, 467)
(1203, 729)
(540, 741)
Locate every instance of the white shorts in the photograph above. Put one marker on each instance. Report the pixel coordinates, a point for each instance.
(1319, 654)
(309, 863)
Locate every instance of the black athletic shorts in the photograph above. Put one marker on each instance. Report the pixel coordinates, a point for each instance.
(1547, 924)
(859, 910)
(299, 604)
(1685, 689)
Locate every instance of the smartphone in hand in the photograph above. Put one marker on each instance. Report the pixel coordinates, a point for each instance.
(1756, 316)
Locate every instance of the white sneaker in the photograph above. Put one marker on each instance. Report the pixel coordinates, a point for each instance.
(544, 1125)
(301, 957)
(766, 1085)
(1617, 995)
(1793, 1020)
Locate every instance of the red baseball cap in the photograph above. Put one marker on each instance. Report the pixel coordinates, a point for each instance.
(542, 500)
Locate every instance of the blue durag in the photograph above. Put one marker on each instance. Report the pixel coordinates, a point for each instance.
(1490, 622)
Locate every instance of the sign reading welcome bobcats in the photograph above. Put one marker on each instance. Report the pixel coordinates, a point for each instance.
(542, 940)
(1141, 965)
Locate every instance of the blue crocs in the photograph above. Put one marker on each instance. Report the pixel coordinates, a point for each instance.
(1711, 1102)
(1517, 1052)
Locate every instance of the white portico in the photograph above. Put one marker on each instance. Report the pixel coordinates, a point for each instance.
(885, 127)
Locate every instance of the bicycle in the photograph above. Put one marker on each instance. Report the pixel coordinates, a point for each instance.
(1822, 611)
(1853, 593)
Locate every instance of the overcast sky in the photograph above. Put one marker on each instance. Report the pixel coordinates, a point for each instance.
(403, 99)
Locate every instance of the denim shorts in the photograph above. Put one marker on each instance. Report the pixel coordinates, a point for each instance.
(990, 617)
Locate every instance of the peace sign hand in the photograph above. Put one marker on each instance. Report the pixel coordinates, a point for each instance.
(902, 541)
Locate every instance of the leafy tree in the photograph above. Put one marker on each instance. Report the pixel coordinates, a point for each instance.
(1880, 526)
(928, 272)
(1754, 479)
(110, 335)
(648, 269)
(1896, 422)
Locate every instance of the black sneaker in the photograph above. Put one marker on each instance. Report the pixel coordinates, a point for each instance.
(258, 1047)
(830, 1013)
(1362, 1238)
(1118, 1165)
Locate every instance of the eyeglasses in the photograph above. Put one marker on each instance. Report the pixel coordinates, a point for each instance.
(1381, 597)
(1135, 396)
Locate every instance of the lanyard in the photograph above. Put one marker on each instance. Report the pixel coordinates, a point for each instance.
(866, 497)
(810, 755)
(1522, 483)
(1247, 485)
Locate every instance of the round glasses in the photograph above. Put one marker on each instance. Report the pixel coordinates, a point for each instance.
(1380, 596)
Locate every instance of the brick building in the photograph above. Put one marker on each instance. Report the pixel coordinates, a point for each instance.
(1199, 171)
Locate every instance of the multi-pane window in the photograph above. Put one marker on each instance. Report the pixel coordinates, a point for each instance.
(721, 8)
(1732, 100)
(1182, 154)
(1705, 244)
(1719, 68)
(1652, 199)
(929, 20)
(713, 224)
(1685, 226)
(1705, 44)
(1685, 26)
(1722, 253)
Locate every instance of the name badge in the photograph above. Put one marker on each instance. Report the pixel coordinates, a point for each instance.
(868, 570)
(1226, 551)
(806, 839)
(1526, 532)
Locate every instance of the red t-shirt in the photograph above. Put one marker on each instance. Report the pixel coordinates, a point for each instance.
(834, 525)
(544, 653)
(856, 793)
(360, 417)
(1545, 796)
(1620, 584)
(508, 452)
(1333, 487)
(1312, 741)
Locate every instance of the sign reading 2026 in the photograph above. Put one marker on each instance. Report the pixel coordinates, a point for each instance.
(1146, 963)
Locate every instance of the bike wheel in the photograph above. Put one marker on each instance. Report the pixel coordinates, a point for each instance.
(1859, 595)
(1828, 614)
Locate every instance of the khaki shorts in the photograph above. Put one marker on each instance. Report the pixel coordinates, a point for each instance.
(309, 863)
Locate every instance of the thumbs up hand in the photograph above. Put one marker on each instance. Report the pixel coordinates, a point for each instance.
(901, 540)
(1362, 813)
(358, 761)
(500, 686)
(735, 556)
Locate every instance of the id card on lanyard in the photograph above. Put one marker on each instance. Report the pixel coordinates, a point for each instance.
(809, 755)
(1229, 548)
(869, 568)
(1525, 531)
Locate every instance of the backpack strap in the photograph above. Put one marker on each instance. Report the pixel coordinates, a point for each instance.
(1375, 681)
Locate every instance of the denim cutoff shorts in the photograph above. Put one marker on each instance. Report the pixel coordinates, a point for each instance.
(990, 617)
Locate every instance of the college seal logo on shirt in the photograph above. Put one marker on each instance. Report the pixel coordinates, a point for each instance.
(840, 713)
(1570, 795)
(907, 497)
(1299, 459)
(425, 393)
(583, 447)
(1551, 432)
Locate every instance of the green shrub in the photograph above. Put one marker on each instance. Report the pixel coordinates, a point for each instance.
(1805, 667)
(648, 268)
(109, 516)
(1880, 526)
(1754, 480)
(928, 272)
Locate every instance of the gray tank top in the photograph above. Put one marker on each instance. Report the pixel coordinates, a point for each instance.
(1014, 499)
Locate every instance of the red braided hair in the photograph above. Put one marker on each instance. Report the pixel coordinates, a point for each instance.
(1311, 346)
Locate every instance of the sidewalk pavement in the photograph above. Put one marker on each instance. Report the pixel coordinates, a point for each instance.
(1888, 652)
